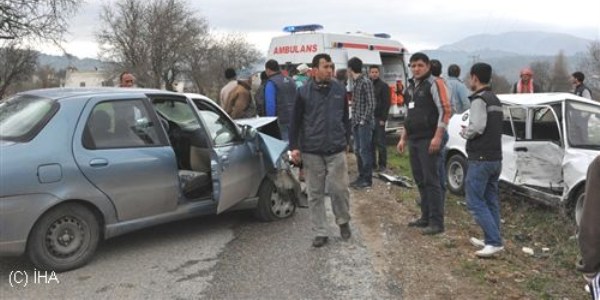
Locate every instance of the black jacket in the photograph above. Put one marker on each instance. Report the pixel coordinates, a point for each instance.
(382, 100)
(320, 122)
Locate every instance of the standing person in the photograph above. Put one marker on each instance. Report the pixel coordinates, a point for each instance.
(579, 88)
(382, 107)
(301, 77)
(426, 121)
(232, 77)
(280, 92)
(240, 104)
(319, 136)
(436, 72)
(459, 94)
(126, 80)
(589, 227)
(259, 96)
(484, 151)
(363, 106)
(526, 85)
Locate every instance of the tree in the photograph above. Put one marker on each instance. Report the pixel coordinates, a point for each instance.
(35, 19)
(16, 64)
(541, 71)
(560, 75)
(590, 66)
(150, 38)
(500, 84)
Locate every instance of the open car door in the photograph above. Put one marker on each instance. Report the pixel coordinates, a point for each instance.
(538, 147)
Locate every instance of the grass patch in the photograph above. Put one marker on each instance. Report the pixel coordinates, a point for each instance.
(545, 275)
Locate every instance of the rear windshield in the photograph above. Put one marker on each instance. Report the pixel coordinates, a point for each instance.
(22, 117)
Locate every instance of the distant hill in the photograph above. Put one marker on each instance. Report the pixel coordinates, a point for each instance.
(521, 43)
(62, 62)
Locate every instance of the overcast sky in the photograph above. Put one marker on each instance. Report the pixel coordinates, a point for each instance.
(419, 25)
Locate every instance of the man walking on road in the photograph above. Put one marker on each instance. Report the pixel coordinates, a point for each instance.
(319, 135)
(363, 106)
(382, 107)
(484, 149)
(426, 121)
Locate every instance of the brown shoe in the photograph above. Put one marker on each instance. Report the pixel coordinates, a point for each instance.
(319, 241)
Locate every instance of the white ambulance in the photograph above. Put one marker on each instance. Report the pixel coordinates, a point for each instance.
(304, 42)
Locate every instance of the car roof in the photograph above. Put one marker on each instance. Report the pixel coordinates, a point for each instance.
(542, 98)
(64, 93)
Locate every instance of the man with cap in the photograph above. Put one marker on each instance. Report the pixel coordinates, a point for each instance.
(526, 85)
(301, 78)
(240, 104)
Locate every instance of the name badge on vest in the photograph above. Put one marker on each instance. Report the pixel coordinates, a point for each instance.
(411, 105)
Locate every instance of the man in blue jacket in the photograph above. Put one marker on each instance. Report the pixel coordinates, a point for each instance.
(280, 92)
(319, 134)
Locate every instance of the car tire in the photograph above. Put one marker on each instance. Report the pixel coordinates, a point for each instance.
(272, 206)
(64, 238)
(575, 205)
(456, 171)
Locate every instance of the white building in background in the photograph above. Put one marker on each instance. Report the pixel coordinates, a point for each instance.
(94, 78)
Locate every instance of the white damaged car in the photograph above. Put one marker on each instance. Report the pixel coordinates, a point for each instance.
(548, 142)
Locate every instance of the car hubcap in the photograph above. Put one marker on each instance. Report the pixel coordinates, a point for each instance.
(65, 237)
(280, 206)
(455, 175)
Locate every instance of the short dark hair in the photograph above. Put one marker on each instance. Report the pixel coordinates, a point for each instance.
(419, 56)
(272, 65)
(355, 64)
(317, 58)
(230, 73)
(374, 67)
(579, 76)
(263, 75)
(123, 74)
(436, 67)
(483, 72)
(453, 70)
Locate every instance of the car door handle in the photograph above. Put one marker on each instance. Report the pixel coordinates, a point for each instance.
(98, 162)
(521, 149)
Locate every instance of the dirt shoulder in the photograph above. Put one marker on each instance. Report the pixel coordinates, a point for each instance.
(445, 267)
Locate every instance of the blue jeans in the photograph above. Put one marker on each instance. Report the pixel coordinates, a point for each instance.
(481, 188)
(379, 147)
(363, 139)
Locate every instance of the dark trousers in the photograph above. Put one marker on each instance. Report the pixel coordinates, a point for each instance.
(379, 149)
(442, 165)
(363, 139)
(426, 174)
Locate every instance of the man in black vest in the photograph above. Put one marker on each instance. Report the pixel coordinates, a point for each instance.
(280, 92)
(579, 88)
(382, 107)
(426, 121)
(484, 149)
(320, 128)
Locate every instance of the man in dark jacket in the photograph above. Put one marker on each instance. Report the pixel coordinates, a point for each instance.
(579, 88)
(382, 107)
(320, 132)
(280, 92)
(589, 226)
(426, 121)
(484, 150)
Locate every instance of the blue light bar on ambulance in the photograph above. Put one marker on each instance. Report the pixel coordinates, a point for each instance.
(302, 28)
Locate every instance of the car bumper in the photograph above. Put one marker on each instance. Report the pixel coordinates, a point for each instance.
(17, 216)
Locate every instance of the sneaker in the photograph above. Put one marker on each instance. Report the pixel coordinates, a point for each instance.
(432, 230)
(345, 231)
(319, 241)
(418, 223)
(362, 184)
(477, 242)
(488, 251)
(355, 182)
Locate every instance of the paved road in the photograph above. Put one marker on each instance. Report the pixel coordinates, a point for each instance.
(231, 256)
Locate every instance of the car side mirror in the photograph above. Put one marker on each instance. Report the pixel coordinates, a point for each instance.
(248, 132)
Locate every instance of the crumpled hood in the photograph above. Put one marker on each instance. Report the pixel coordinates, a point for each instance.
(273, 149)
(256, 122)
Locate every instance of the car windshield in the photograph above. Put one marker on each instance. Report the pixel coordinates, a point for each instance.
(583, 125)
(22, 117)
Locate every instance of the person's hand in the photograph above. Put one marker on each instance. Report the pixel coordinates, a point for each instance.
(401, 145)
(434, 146)
(296, 157)
(382, 123)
